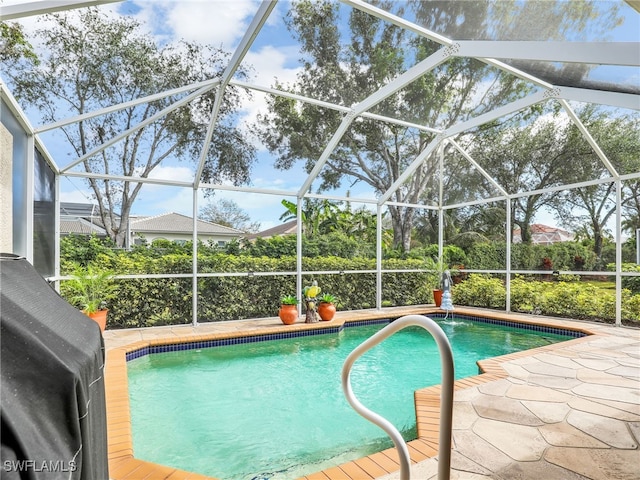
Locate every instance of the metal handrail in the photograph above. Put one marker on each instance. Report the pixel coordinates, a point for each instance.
(446, 394)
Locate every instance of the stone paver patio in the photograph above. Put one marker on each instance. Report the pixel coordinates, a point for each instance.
(569, 411)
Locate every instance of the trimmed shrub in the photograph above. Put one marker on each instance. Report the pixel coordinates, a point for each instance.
(480, 291)
(168, 301)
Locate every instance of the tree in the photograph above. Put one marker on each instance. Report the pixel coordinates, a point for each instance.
(14, 47)
(526, 156)
(590, 208)
(92, 62)
(345, 71)
(228, 213)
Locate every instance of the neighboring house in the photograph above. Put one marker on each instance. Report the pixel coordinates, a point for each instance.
(83, 219)
(544, 235)
(80, 219)
(179, 228)
(284, 229)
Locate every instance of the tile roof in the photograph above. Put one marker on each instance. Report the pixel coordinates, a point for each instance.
(544, 234)
(178, 223)
(80, 226)
(284, 229)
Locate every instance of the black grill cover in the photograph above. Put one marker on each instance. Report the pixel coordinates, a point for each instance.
(52, 365)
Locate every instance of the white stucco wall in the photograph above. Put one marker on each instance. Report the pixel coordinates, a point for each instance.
(6, 190)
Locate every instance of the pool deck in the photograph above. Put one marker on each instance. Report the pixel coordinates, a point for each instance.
(564, 411)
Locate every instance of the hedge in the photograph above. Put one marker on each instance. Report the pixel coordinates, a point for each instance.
(167, 301)
(569, 299)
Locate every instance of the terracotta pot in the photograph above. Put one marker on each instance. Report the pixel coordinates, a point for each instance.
(437, 297)
(100, 317)
(326, 311)
(288, 314)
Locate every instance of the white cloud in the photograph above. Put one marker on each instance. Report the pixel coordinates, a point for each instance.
(219, 23)
(177, 173)
(269, 63)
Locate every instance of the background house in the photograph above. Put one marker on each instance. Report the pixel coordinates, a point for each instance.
(80, 219)
(83, 219)
(544, 235)
(179, 228)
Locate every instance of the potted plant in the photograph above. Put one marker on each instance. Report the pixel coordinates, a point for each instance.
(327, 307)
(288, 309)
(90, 289)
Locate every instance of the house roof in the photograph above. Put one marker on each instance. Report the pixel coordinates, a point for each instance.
(177, 223)
(284, 229)
(84, 210)
(80, 226)
(544, 234)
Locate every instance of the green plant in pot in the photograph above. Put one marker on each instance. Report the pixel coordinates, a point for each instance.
(89, 289)
(327, 307)
(288, 309)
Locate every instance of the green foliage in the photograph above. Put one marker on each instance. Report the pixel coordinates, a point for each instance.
(571, 300)
(524, 294)
(289, 300)
(238, 295)
(452, 254)
(90, 61)
(631, 283)
(89, 288)
(558, 298)
(82, 250)
(14, 46)
(487, 256)
(328, 298)
(331, 244)
(480, 291)
(563, 256)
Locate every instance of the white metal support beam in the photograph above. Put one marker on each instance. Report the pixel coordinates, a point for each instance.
(121, 106)
(613, 99)
(194, 263)
(618, 253)
(440, 202)
(407, 25)
(597, 53)
(21, 9)
(137, 127)
(389, 89)
(331, 145)
(238, 55)
(585, 133)
(499, 112)
(398, 83)
(475, 164)
(461, 127)
(397, 21)
(410, 169)
(331, 106)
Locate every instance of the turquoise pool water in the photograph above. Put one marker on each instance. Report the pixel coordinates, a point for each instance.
(275, 409)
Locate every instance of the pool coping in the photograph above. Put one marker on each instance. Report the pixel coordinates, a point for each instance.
(124, 466)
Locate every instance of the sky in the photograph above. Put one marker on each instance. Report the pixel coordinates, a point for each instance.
(274, 55)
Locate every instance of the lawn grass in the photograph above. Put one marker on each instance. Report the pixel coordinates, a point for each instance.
(604, 285)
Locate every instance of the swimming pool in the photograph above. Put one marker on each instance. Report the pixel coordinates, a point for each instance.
(185, 405)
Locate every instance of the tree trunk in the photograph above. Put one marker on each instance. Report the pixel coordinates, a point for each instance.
(402, 223)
